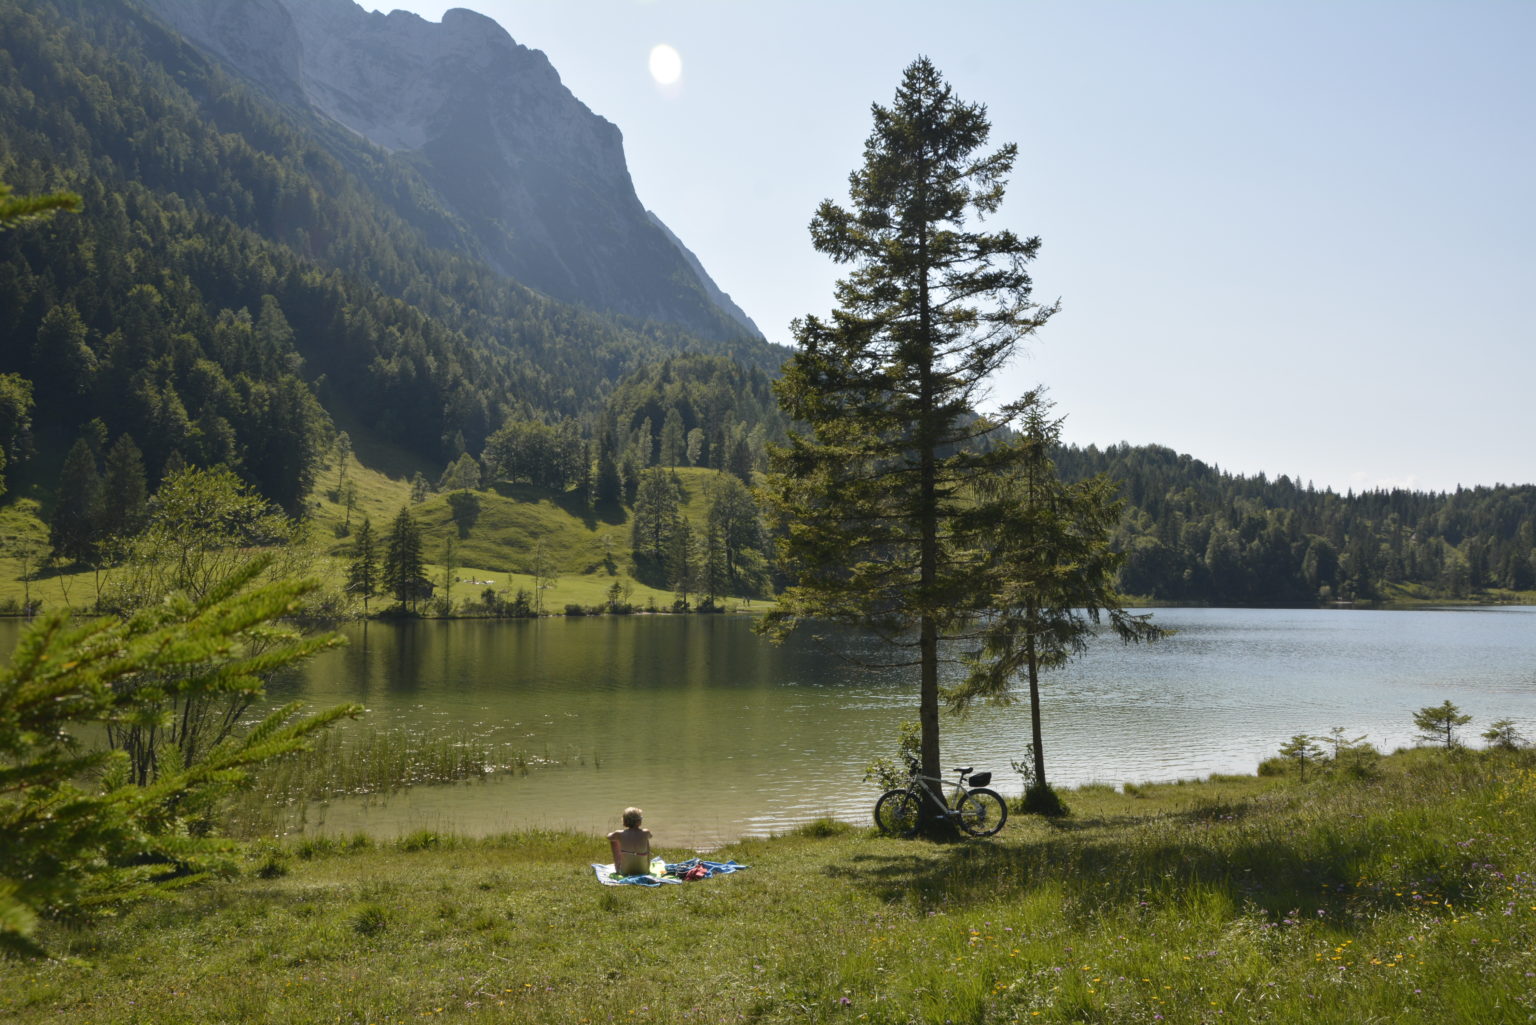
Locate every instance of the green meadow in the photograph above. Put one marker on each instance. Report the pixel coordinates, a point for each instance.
(1406, 897)
(494, 535)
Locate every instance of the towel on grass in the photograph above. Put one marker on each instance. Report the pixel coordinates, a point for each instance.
(663, 873)
(657, 875)
(711, 868)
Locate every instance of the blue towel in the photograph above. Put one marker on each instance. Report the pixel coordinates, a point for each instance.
(608, 877)
(662, 872)
(715, 868)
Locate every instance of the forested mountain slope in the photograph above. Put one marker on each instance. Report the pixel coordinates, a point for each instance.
(540, 181)
(1194, 533)
(240, 266)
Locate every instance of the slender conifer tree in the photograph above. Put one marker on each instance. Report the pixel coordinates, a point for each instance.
(882, 521)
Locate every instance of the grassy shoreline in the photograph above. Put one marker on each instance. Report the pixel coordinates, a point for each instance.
(1409, 897)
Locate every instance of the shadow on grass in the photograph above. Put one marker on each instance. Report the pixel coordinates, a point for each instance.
(572, 503)
(1280, 868)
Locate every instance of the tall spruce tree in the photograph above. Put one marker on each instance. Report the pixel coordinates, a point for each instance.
(125, 491)
(402, 572)
(72, 528)
(883, 524)
(656, 513)
(363, 569)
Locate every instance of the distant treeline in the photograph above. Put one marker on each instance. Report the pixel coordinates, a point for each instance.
(1195, 534)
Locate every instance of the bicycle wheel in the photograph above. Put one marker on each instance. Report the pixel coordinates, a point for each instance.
(982, 812)
(896, 813)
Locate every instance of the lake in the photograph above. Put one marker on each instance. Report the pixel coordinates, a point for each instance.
(718, 734)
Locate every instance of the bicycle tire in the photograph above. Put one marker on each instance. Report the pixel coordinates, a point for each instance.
(896, 813)
(982, 812)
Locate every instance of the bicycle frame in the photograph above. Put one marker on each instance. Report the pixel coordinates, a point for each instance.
(918, 781)
(975, 810)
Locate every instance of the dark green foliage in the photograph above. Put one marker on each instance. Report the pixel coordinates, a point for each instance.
(1504, 733)
(683, 562)
(722, 406)
(73, 528)
(1302, 749)
(1192, 533)
(1055, 582)
(125, 493)
(533, 452)
(15, 421)
(1438, 723)
(735, 538)
(655, 521)
(80, 837)
(1041, 799)
(607, 487)
(879, 498)
(363, 569)
(403, 575)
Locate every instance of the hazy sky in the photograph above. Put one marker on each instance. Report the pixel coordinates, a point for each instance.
(1288, 237)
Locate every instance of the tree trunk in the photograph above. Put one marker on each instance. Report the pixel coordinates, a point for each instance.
(933, 821)
(1033, 658)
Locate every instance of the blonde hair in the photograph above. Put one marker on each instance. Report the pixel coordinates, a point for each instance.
(632, 817)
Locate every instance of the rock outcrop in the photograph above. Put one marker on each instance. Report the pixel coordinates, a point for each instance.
(540, 180)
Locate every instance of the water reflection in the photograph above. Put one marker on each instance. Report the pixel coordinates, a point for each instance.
(717, 733)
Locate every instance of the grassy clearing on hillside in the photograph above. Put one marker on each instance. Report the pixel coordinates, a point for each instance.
(495, 533)
(1409, 898)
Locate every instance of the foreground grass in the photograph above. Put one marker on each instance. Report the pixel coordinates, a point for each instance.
(1409, 898)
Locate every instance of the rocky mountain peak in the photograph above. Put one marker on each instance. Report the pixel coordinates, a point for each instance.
(540, 179)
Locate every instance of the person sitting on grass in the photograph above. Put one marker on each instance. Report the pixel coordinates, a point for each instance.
(631, 846)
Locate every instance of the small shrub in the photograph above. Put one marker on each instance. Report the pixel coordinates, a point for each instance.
(312, 847)
(1276, 766)
(1025, 766)
(887, 774)
(1437, 724)
(1042, 799)
(573, 609)
(1358, 761)
(271, 860)
(370, 920)
(1302, 748)
(821, 828)
(421, 840)
(1504, 734)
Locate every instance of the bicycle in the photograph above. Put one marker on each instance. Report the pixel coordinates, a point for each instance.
(975, 809)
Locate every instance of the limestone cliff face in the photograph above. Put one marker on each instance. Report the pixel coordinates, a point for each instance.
(540, 180)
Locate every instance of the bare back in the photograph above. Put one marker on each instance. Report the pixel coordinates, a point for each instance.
(631, 851)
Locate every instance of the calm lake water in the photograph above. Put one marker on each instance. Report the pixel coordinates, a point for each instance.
(719, 734)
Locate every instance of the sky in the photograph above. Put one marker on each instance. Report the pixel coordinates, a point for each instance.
(1288, 237)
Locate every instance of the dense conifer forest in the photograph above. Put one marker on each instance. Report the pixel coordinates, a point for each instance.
(1196, 534)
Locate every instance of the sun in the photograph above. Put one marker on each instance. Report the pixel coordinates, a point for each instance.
(666, 65)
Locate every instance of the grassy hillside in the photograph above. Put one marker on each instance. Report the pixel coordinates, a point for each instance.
(495, 533)
(1407, 898)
